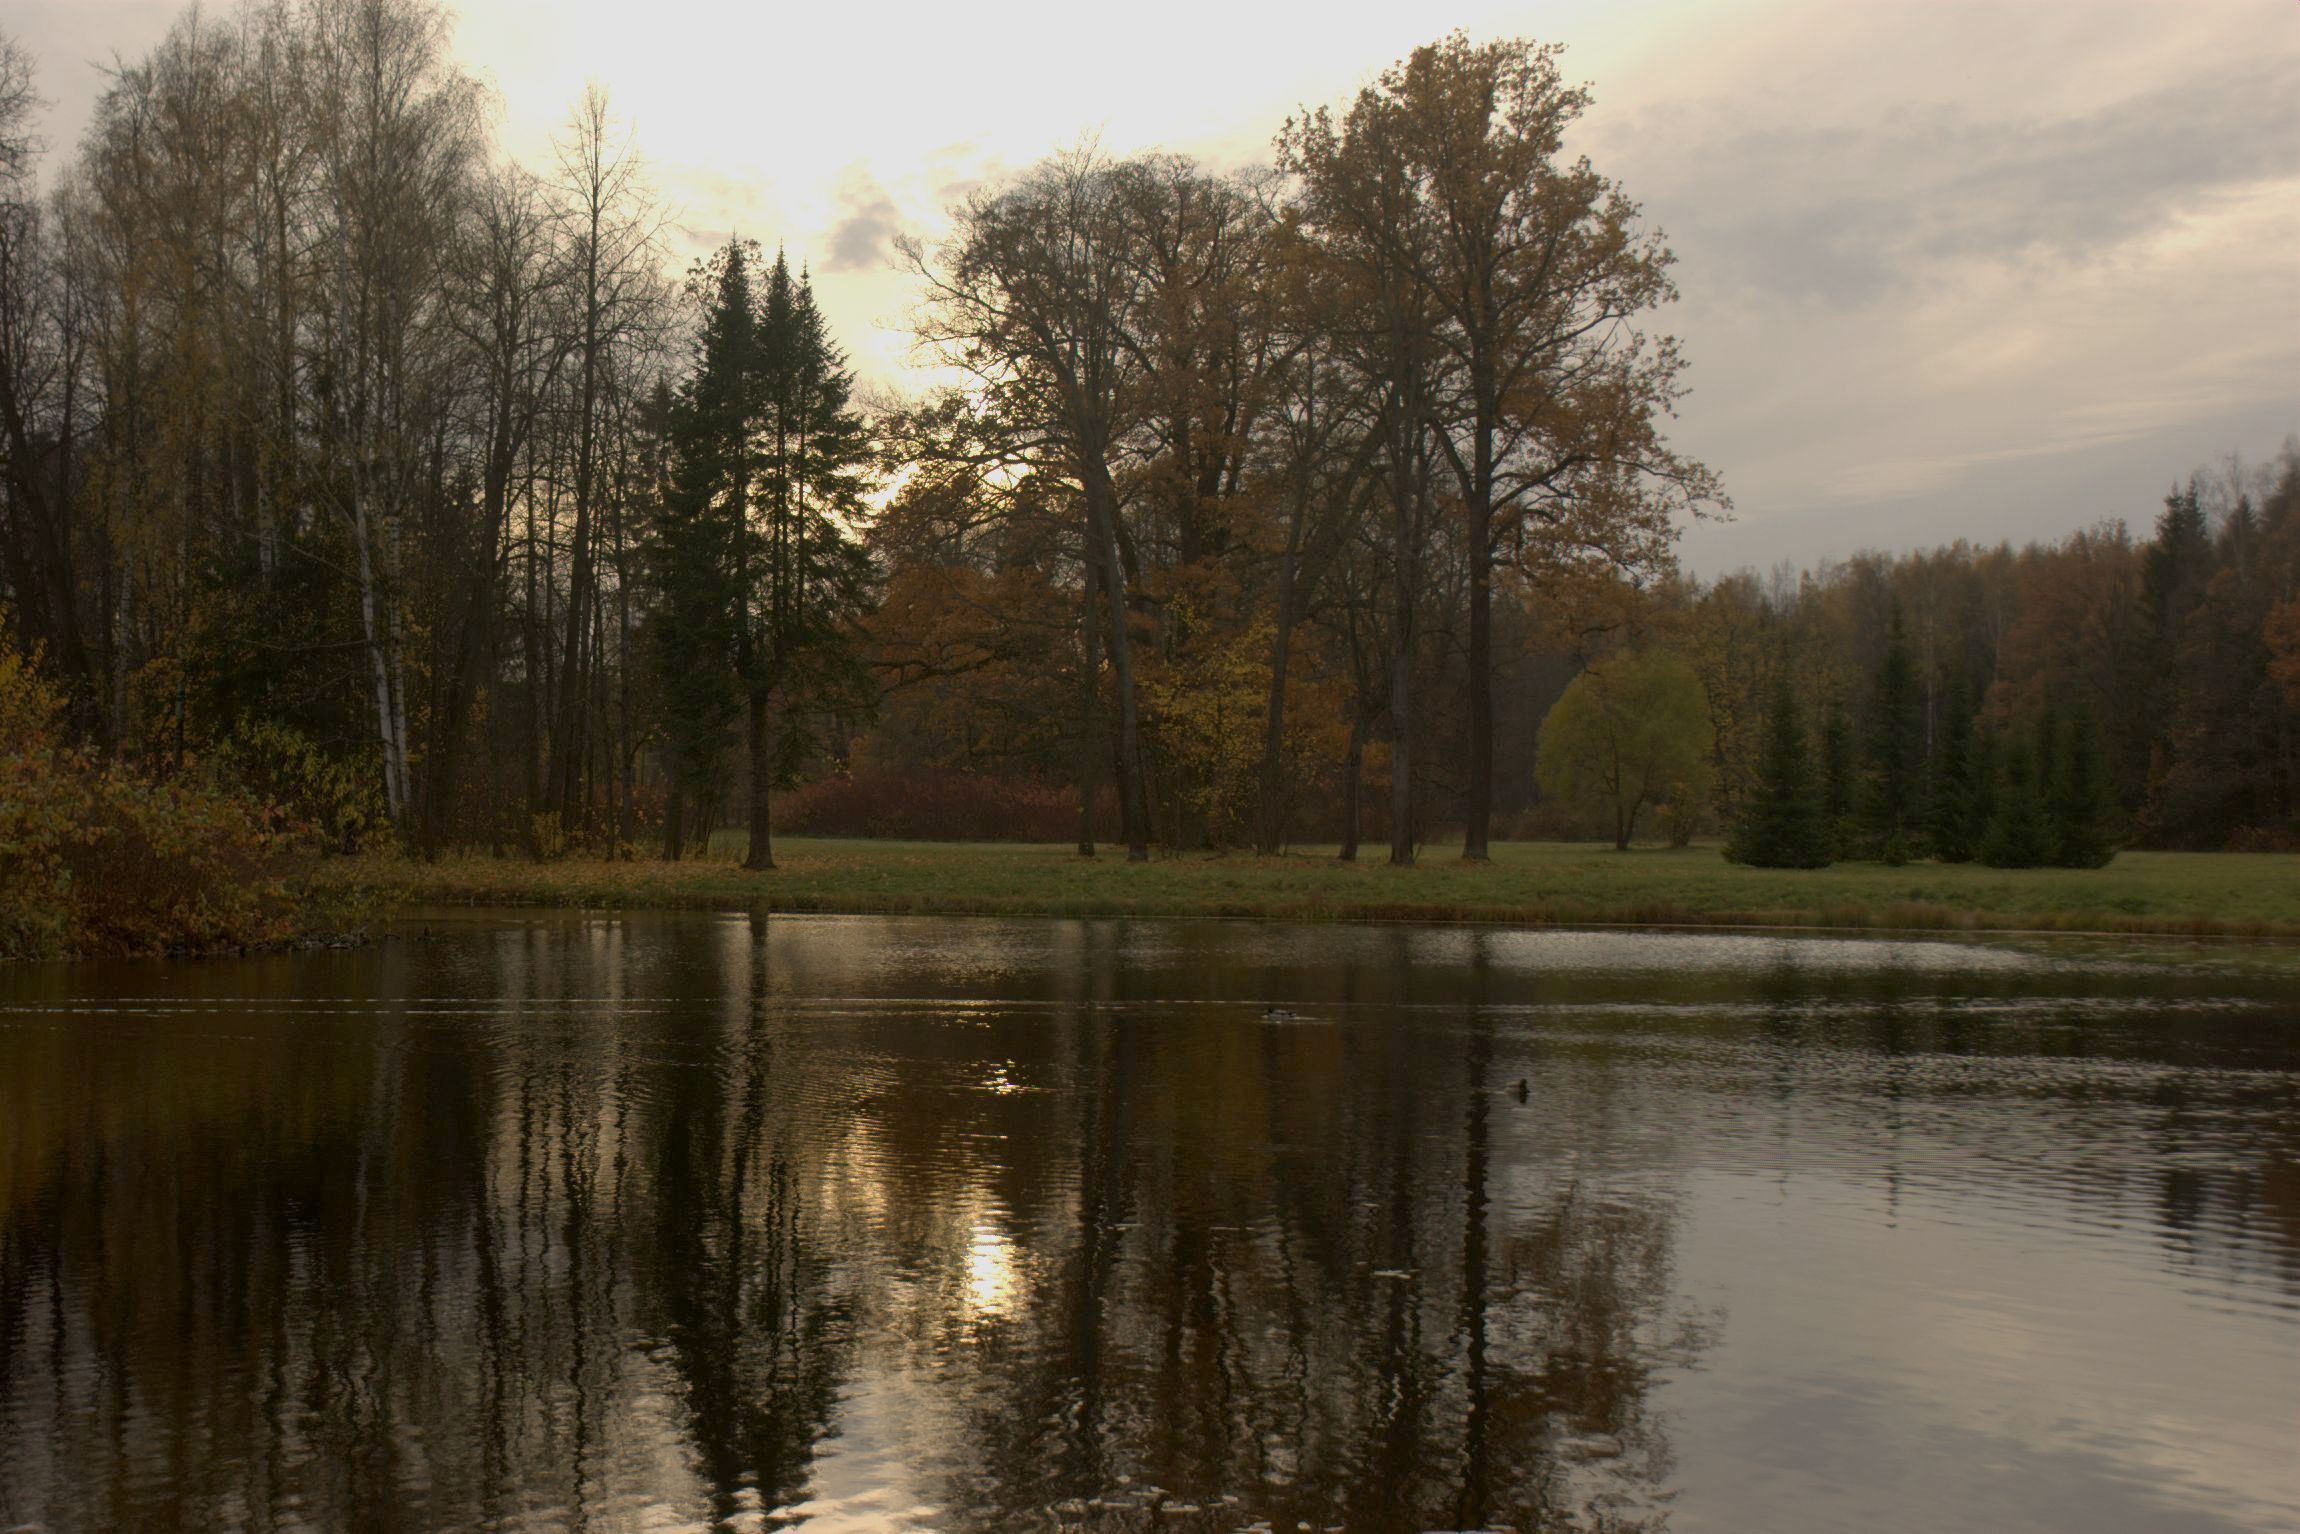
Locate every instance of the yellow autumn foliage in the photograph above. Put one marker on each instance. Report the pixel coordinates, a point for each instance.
(96, 857)
(1206, 714)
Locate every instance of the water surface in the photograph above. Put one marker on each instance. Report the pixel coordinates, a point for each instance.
(698, 1222)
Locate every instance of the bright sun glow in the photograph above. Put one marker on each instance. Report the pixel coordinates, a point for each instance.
(993, 1273)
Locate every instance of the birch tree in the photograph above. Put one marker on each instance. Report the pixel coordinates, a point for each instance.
(394, 128)
(609, 225)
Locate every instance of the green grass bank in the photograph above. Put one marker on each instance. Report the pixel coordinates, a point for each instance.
(1527, 883)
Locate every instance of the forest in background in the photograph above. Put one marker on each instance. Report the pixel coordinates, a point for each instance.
(349, 466)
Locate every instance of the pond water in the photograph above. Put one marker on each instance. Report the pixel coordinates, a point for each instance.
(708, 1221)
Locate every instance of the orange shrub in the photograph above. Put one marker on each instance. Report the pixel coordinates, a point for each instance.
(102, 859)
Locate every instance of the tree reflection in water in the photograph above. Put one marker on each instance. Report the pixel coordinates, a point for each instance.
(725, 1222)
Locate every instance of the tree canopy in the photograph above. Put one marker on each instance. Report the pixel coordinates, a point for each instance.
(1628, 735)
(1266, 505)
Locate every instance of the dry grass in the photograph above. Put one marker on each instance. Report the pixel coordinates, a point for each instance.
(1527, 883)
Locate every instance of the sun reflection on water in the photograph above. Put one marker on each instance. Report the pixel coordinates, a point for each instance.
(993, 1272)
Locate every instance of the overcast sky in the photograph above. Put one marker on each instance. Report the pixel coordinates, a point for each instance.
(1948, 270)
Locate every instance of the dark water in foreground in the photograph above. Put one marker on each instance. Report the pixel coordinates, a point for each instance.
(713, 1222)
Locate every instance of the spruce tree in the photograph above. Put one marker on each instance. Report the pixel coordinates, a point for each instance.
(1981, 787)
(757, 570)
(2044, 764)
(691, 546)
(2017, 835)
(2077, 803)
(1839, 785)
(1782, 825)
(804, 575)
(2178, 560)
(2176, 570)
(818, 483)
(1892, 800)
(1949, 803)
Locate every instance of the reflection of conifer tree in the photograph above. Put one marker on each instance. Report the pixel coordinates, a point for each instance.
(756, 1338)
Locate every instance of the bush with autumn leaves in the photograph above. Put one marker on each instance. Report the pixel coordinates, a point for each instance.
(99, 858)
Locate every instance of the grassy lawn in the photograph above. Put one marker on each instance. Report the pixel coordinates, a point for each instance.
(1529, 883)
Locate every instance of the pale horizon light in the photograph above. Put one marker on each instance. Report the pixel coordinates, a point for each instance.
(1949, 270)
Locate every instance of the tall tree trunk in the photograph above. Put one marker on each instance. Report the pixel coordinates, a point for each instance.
(599, 764)
(1089, 716)
(1480, 808)
(435, 783)
(706, 820)
(476, 644)
(1102, 517)
(567, 738)
(1353, 776)
(120, 638)
(626, 735)
(1269, 805)
(762, 854)
(1407, 450)
(674, 809)
(377, 630)
(1401, 758)
(531, 642)
(1476, 481)
(1405, 562)
(575, 695)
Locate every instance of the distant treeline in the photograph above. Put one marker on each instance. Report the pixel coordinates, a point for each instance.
(2162, 668)
(348, 465)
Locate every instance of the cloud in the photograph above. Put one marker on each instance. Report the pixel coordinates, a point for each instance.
(1966, 271)
(1949, 268)
(954, 172)
(1850, 211)
(867, 220)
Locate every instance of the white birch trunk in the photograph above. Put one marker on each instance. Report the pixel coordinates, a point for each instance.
(376, 628)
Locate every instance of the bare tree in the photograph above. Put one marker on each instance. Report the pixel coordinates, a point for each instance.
(36, 536)
(395, 134)
(1372, 233)
(1534, 270)
(609, 225)
(1031, 298)
(510, 284)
